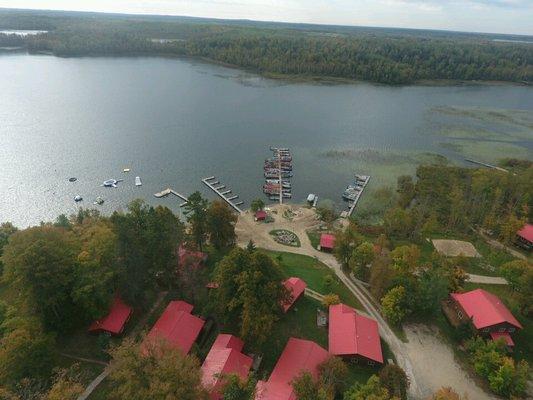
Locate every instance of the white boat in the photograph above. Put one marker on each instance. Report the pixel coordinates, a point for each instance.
(111, 182)
(99, 201)
(78, 198)
(126, 170)
(138, 181)
(311, 198)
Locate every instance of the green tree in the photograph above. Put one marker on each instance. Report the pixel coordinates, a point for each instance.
(381, 275)
(513, 271)
(221, 225)
(163, 372)
(345, 243)
(393, 305)
(406, 190)
(40, 262)
(394, 379)
(371, 390)
(66, 385)
(257, 205)
(6, 230)
(432, 289)
(398, 223)
(250, 293)
(446, 394)
(333, 376)
(196, 212)
(306, 388)
(406, 258)
(330, 300)
(362, 256)
(236, 389)
(26, 352)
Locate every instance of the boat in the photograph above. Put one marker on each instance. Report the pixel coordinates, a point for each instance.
(99, 201)
(111, 182)
(126, 170)
(73, 179)
(311, 198)
(78, 198)
(138, 181)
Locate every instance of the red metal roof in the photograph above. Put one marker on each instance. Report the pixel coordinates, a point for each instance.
(327, 241)
(502, 335)
(114, 321)
(260, 215)
(299, 355)
(177, 326)
(351, 333)
(526, 232)
(296, 286)
(225, 357)
(196, 258)
(485, 309)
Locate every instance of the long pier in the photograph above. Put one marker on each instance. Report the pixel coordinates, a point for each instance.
(356, 200)
(486, 165)
(211, 185)
(169, 191)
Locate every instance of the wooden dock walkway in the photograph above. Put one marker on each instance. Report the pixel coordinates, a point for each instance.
(211, 185)
(349, 213)
(486, 165)
(169, 191)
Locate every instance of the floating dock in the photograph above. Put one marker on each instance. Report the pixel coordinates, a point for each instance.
(211, 185)
(169, 191)
(365, 180)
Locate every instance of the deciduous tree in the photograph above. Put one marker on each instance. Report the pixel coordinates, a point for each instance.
(221, 225)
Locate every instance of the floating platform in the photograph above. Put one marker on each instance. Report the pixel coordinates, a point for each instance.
(211, 185)
(362, 182)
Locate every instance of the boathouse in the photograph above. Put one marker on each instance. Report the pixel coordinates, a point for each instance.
(353, 336)
(224, 358)
(296, 287)
(176, 326)
(524, 237)
(487, 313)
(327, 242)
(298, 356)
(116, 319)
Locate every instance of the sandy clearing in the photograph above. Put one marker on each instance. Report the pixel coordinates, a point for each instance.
(454, 248)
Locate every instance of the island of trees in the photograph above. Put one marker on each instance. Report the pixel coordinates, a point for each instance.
(390, 56)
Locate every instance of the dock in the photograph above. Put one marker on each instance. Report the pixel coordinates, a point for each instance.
(486, 165)
(169, 191)
(348, 214)
(211, 185)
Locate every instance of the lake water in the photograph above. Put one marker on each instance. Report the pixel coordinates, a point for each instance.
(174, 122)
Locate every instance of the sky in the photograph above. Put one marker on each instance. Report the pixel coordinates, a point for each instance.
(494, 16)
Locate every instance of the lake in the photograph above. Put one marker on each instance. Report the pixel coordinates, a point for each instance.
(175, 121)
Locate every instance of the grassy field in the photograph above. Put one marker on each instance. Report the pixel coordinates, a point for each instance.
(313, 272)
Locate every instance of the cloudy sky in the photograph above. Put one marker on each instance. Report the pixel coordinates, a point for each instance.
(499, 16)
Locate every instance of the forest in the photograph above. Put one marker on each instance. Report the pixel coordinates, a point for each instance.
(378, 55)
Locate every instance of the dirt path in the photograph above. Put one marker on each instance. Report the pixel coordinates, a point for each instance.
(425, 372)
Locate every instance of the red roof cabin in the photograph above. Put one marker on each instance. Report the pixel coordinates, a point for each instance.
(260, 215)
(327, 242)
(353, 336)
(177, 326)
(525, 237)
(487, 313)
(299, 355)
(296, 287)
(114, 322)
(186, 256)
(225, 357)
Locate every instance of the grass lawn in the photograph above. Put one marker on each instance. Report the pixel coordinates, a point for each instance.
(314, 238)
(313, 272)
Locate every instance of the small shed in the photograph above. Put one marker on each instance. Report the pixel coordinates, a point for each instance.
(296, 287)
(525, 237)
(114, 322)
(327, 242)
(260, 215)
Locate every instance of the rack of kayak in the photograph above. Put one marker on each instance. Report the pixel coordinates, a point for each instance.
(278, 173)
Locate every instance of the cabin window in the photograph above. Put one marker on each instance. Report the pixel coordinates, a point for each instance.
(501, 330)
(511, 329)
(371, 363)
(460, 314)
(486, 330)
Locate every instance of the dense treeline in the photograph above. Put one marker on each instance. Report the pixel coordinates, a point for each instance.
(457, 199)
(395, 57)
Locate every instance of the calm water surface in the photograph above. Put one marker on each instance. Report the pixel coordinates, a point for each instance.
(174, 121)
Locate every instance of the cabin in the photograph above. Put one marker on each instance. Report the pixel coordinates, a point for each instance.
(296, 287)
(524, 237)
(298, 356)
(224, 358)
(115, 320)
(327, 242)
(353, 336)
(260, 215)
(489, 316)
(195, 259)
(176, 326)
